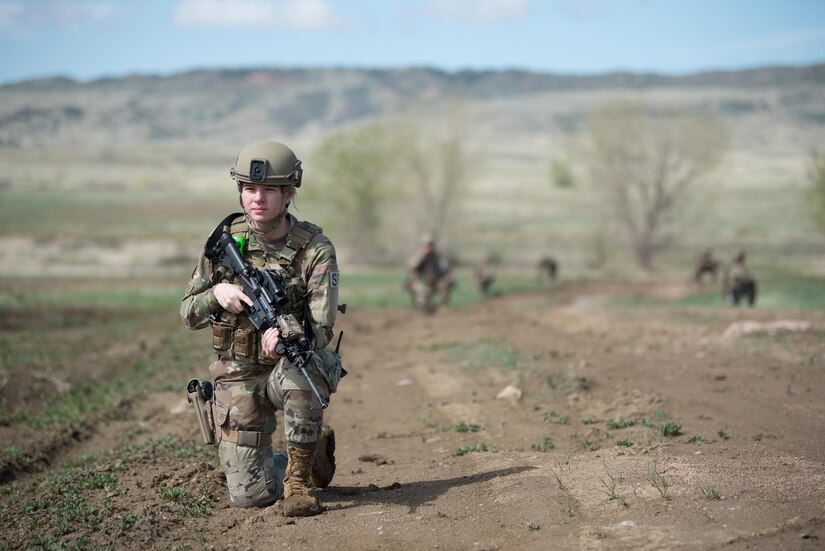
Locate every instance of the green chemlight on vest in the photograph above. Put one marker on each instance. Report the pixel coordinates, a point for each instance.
(241, 241)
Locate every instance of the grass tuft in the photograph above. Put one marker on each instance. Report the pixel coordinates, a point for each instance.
(711, 491)
(658, 480)
(464, 450)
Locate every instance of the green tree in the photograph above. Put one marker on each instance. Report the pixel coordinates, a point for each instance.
(356, 170)
(816, 175)
(645, 165)
(561, 175)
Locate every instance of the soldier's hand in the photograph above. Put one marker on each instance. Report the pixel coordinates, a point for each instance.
(269, 342)
(231, 297)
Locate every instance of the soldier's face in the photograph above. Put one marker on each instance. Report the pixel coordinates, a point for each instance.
(263, 203)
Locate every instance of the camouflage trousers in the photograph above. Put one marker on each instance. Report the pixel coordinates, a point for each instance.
(428, 296)
(246, 399)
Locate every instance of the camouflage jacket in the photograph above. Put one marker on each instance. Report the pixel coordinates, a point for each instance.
(310, 279)
(427, 268)
(735, 277)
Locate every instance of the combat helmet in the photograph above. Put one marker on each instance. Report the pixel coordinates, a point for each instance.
(267, 163)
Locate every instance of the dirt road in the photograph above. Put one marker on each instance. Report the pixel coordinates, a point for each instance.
(637, 427)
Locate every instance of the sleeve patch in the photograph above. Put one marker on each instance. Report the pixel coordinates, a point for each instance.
(333, 279)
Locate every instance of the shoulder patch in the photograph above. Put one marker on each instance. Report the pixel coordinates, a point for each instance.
(333, 279)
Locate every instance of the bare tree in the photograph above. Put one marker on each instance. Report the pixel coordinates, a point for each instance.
(646, 165)
(437, 167)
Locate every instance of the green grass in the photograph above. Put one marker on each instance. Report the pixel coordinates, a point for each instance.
(383, 288)
(465, 427)
(620, 423)
(100, 396)
(551, 417)
(669, 428)
(545, 445)
(711, 491)
(481, 354)
(106, 295)
(781, 291)
(189, 504)
(658, 480)
(67, 502)
(464, 450)
(164, 360)
(109, 217)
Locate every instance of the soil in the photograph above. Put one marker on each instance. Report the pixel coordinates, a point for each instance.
(428, 457)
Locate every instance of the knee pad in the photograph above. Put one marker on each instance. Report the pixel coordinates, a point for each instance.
(254, 475)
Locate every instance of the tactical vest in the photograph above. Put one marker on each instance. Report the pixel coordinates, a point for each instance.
(235, 333)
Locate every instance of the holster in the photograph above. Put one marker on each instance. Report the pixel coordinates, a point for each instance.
(199, 395)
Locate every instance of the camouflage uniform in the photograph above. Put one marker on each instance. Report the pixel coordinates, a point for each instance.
(249, 387)
(548, 266)
(705, 264)
(428, 278)
(484, 276)
(737, 283)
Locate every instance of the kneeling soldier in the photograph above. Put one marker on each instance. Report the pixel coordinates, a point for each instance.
(251, 379)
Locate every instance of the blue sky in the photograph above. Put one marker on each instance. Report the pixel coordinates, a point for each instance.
(88, 39)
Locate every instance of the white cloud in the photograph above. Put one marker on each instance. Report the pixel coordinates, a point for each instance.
(580, 9)
(25, 17)
(781, 39)
(477, 11)
(295, 15)
(9, 12)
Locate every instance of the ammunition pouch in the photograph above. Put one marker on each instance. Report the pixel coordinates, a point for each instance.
(199, 395)
(222, 336)
(245, 344)
(240, 343)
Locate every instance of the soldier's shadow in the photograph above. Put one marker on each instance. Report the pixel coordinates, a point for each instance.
(411, 494)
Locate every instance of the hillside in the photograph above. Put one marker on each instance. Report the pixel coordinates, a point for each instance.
(149, 138)
(229, 103)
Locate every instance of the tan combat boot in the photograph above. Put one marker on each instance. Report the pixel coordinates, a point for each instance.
(323, 462)
(297, 501)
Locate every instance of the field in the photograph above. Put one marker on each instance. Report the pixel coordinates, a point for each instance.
(639, 426)
(642, 423)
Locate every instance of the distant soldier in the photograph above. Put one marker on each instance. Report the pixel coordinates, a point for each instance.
(446, 282)
(737, 283)
(705, 264)
(548, 266)
(484, 275)
(429, 277)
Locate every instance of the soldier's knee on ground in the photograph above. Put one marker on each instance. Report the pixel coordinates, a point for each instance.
(254, 475)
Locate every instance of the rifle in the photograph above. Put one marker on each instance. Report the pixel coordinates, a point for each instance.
(265, 289)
